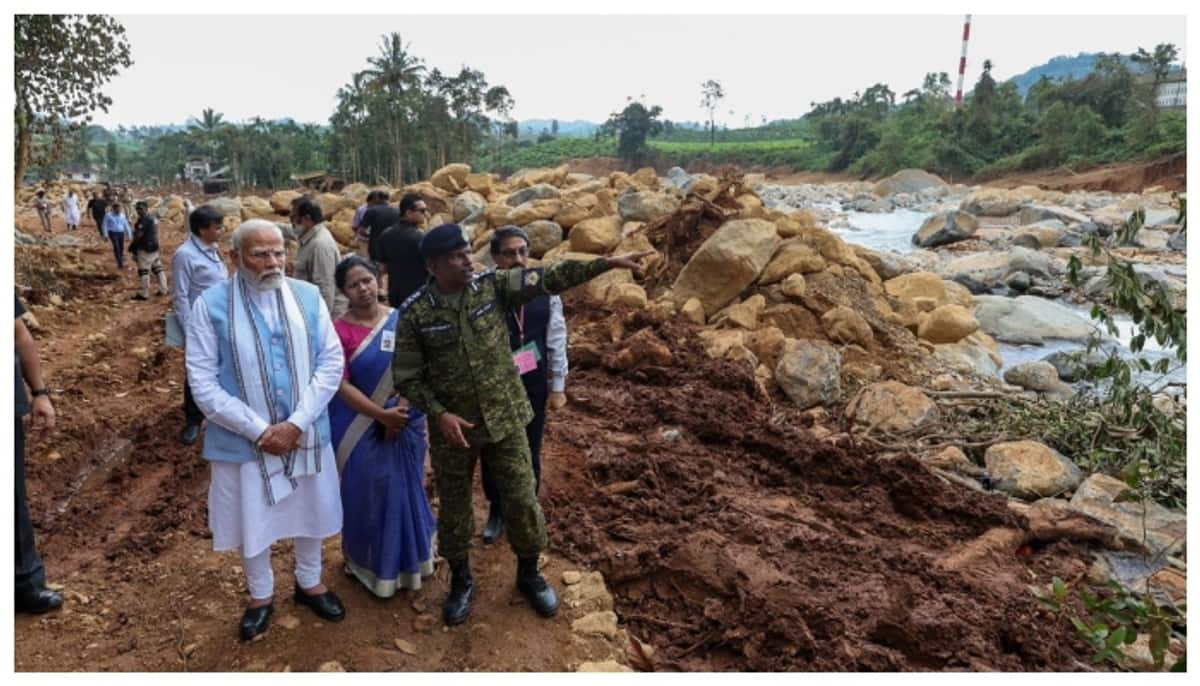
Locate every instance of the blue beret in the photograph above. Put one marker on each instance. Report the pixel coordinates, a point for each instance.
(441, 240)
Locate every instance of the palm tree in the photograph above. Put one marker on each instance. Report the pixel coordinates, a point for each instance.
(393, 73)
(207, 126)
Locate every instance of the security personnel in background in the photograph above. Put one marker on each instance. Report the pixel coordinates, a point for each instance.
(452, 360)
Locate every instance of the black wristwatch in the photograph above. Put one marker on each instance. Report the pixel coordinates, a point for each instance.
(35, 392)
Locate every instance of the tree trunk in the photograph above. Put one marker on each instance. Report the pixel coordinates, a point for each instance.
(24, 142)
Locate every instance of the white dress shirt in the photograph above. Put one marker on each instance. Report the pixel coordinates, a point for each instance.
(556, 346)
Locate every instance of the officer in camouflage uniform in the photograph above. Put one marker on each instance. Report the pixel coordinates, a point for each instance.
(452, 360)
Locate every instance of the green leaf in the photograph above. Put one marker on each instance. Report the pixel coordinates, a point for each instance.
(1060, 589)
(1180, 664)
(1116, 638)
(1160, 635)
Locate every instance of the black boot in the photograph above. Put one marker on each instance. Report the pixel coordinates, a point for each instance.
(495, 525)
(531, 583)
(457, 607)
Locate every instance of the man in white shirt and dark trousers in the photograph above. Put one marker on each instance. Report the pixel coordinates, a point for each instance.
(540, 323)
(197, 265)
(264, 361)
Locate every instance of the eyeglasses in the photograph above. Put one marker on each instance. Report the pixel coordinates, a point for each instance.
(422, 210)
(513, 252)
(264, 254)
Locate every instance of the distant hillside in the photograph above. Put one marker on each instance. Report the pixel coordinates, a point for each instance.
(1065, 67)
(575, 128)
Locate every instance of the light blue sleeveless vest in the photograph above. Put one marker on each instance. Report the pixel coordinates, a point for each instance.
(221, 444)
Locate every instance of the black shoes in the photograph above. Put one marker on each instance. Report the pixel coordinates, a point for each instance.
(191, 434)
(457, 607)
(255, 621)
(139, 296)
(495, 525)
(326, 605)
(533, 585)
(39, 601)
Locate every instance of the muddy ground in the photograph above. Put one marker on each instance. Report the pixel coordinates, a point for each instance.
(731, 537)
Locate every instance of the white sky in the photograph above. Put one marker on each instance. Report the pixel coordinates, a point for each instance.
(583, 67)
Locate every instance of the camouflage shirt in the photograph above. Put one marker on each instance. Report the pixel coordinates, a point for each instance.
(457, 359)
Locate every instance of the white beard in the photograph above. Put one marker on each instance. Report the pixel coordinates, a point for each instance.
(262, 283)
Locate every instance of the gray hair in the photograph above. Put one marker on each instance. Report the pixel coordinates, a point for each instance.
(252, 226)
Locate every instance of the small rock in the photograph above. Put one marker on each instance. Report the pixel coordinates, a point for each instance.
(605, 666)
(571, 577)
(602, 623)
(331, 666)
(405, 647)
(189, 649)
(424, 623)
(288, 621)
(1030, 470)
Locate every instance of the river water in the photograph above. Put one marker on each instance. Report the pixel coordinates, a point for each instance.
(894, 230)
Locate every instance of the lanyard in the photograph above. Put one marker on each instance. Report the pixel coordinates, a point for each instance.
(521, 325)
(210, 258)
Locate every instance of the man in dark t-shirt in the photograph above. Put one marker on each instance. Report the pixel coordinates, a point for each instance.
(32, 594)
(379, 217)
(145, 252)
(397, 250)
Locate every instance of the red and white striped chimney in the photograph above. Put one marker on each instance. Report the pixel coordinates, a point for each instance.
(962, 62)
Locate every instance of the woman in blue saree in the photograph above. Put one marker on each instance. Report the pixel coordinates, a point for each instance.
(388, 529)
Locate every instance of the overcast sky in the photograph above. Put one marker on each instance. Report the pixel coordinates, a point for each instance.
(583, 67)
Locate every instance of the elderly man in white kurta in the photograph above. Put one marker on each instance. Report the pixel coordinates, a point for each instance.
(263, 361)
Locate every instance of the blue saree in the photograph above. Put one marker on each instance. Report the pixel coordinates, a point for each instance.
(388, 527)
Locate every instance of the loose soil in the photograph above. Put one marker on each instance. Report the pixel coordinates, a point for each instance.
(731, 537)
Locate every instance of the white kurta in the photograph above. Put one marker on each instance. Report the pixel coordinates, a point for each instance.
(71, 210)
(238, 512)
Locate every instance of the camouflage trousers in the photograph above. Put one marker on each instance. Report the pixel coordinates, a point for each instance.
(510, 465)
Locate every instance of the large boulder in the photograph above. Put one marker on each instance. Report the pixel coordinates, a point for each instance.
(793, 257)
(991, 268)
(540, 191)
(948, 324)
(991, 202)
(945, 228)
(678, 178)
(281, 201)
(533, 211)
(966, 357)
(1029, 319)
(228, 207)
(729, 261)
(645, 206)
(892, 407)
(844, 325)
(597, 236)
(909, 181)
(543, 236)
(1143, 525)
(917, 285)
(332, 203)
(887, 264)
(1031, 470)
(451, 178)
(1032, 214)
(469, 207)
(254, 207)
(809, 372)
(1037, 375)
(481, 183)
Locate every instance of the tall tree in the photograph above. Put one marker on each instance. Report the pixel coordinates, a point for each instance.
(632, 126)
(60, 63)
(393, 73)
(711, 94)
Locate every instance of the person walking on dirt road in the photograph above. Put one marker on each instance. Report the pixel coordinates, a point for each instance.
(71, 210)
(264, 361)
(144, 247)
(538, 323)
(97, 207)
(42, 205)
(32, 594)
(197, 265)
(116, 227)
(453, 362)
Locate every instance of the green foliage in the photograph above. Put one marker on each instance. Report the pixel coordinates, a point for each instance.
(60, 63)
(1115, 619)
(632, 126)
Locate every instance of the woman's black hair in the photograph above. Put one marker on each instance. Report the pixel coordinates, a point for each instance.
(344, 267)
